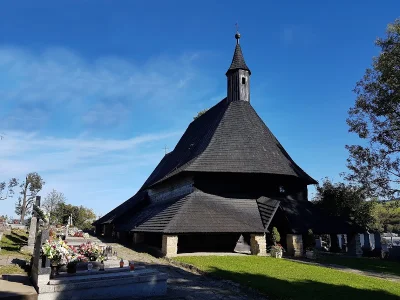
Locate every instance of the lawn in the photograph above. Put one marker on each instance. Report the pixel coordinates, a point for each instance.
(11, 243)
(283, 279)
(364, 263)
(11, 251)
(12, 269)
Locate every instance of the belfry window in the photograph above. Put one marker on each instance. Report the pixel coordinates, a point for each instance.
(281, 190)
(243, 80)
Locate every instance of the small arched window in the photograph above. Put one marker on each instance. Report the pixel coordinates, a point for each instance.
(243, 80)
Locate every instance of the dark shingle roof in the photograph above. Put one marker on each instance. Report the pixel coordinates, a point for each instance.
(121, 209)
(238, 61)
(198, 212)
(267, 208)
(229, 137)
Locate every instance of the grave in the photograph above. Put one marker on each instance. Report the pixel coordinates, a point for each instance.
(33, 229)
(105, 282)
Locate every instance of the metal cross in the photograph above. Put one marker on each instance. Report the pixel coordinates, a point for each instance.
(166, 149)
(237, 27)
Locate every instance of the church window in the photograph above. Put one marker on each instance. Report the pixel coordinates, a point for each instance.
(281, 189)
(243, 80)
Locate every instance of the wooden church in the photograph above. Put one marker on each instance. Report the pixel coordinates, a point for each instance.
(228, 180)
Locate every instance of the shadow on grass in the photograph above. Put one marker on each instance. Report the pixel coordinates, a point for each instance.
(16, 239)
(23, 238)
(280, 289)
(20, 262)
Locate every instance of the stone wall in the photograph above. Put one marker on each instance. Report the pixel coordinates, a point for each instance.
(169, 245)
(258, 244)
(294, 244)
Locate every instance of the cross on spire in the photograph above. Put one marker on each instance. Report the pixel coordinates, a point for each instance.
(237, 35)
(165, 149)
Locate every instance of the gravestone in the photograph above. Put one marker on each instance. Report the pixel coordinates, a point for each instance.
(367, 241)
(318, 243)
(33, 229)
(378, 244)
(40, 272)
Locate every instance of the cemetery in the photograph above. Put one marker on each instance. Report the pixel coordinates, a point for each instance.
(225, 215)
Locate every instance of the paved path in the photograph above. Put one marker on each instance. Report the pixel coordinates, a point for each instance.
(187, 285)
(350, 270)
(17, 287)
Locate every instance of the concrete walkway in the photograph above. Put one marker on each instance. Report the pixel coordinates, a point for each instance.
(14, 287)
(184, 284)
(349, 270)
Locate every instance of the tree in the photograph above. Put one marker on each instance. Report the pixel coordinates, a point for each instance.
(82, 217)
(200, 113)
(387, 213)
(29, 189)
(345, 200)
(275, 236)
(375, 117)
(51, 202)
(12, 183)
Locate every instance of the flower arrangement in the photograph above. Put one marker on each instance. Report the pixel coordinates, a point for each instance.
(56, 250)
(91, 250)
(277, 251)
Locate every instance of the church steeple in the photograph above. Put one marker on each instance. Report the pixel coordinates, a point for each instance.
(238, 75)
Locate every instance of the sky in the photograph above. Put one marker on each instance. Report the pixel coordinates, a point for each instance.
(91, 92)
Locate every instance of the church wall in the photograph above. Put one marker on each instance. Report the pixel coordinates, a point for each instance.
(207, 242)
(251, 185)
(171, 188)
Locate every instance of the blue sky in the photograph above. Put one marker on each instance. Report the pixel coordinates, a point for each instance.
(92, 91)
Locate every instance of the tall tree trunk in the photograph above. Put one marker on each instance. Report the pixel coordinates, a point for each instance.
(23, 207)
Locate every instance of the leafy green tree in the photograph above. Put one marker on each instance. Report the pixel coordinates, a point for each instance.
(345, 200)
(51, 202)
(387, 213)
(82, 217)
(30, 187)
(375, 118)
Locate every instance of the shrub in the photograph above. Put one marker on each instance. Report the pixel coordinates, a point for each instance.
(310, 240)
(275, 236)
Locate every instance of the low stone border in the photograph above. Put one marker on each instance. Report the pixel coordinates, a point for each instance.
(195, 269)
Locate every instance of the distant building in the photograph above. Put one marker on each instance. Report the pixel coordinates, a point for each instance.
(227, 180)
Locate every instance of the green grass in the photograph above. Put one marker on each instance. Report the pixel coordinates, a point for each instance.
(11, 269)
(364, 263)
(283, 279)
(11, 243)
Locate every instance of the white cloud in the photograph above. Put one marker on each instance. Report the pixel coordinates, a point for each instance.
(83, 167)
(101, 92)
(22, 152)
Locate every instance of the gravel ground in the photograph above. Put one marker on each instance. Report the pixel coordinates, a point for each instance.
(185, 284)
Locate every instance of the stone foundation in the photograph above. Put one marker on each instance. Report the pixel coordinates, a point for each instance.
(294, 244)
(169, 245)
(258, 244)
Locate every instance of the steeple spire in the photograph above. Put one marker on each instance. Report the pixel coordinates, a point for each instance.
(238, 75)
